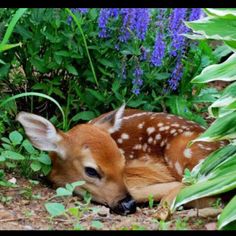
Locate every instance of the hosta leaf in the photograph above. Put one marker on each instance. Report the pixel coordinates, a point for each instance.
(213, 160)
(45, 159)
(214, 28)
(55, 209)
(206, 188)
(228, 215)
(228, 13)
(221, 129)
(225, 71)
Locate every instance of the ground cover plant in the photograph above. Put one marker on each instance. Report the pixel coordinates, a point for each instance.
(71, 65)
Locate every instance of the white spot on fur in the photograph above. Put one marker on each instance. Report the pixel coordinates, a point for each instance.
(131, 156)
(122, 151)
(167, 146)
(180, 130)
(140, 138)
(120, 140)
(188, 134)
(160, 124)
(140, 126)
(150, 140)
(158, 137)
(145, 147)
(150, 130)
(162, 128)
(124, 136)
(173, 131)
(175, 125)
(168, 117)
(178, 168)
(149, 150)
(187, 153)
(137, 147)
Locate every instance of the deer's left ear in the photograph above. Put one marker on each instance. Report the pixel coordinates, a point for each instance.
(111, 121)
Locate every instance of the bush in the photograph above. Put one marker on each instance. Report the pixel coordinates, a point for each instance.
(138, 56)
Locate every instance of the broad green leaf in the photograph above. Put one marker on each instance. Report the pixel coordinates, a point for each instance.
(77, 183)
(55, 209)
(214, 28)
(99, 96)
(228, 13)
(213, 161)
(35, 166)
(221, 129)
(225, 71)
(12, 155)
(46, 169)
(228, 215)
(63, 192)
(71, 69)
(206, 188)
(225, 104)
(15, 137)
(84, 115)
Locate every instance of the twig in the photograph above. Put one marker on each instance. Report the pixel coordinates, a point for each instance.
(13, 219)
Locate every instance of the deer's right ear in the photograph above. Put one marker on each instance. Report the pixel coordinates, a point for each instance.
(41, 132)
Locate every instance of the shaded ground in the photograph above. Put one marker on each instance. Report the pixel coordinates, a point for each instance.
(23, 212)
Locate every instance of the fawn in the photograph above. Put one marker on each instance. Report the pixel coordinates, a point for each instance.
(123, 156)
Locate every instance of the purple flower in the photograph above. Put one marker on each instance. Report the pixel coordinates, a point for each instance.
(177, 27)
(105, 15)
(159, 50)
(142, 22)
(143, 56)
(137, 81)
(195, 14)
(128, 23)
(176, 75)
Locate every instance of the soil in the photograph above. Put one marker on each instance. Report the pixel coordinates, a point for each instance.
(23, 212)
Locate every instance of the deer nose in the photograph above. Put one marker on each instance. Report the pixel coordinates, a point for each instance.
(125, 206)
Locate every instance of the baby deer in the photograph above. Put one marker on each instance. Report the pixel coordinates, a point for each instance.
(123, 156)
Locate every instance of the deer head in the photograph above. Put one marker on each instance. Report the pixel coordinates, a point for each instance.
(86, 152)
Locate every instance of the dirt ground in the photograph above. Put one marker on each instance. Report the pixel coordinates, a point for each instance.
(24, 212)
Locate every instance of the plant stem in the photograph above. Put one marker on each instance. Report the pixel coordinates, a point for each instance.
(85, 44)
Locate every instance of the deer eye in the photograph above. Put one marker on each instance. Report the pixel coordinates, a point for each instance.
(91, 172)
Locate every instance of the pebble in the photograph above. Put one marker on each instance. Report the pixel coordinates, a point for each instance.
(28, 227)
(104, 211)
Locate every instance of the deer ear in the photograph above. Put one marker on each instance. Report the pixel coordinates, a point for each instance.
(112, 121)
(41, 132)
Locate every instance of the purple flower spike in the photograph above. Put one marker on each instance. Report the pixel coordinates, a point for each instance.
(159, 50)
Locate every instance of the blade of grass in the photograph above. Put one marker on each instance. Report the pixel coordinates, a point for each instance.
(12, 24)
(85, 44)
(38, 95)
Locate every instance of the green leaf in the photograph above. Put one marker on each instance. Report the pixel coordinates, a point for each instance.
(206, 188)
(71, 69)
(214, 28)
(228, 13)
(15, 137)
(55, 209)
(84, 115)
(221, 129)
(225, 71)
(46, 169)
(77, 184)
(45, 159)
(6, 47)
(35, 166)
(97, 224)
(228, 215)
(12, 155)
(28, 146)
(99, 96)
(2, 158)
(63, 192)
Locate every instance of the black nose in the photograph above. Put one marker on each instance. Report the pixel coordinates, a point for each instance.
(125, 206)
